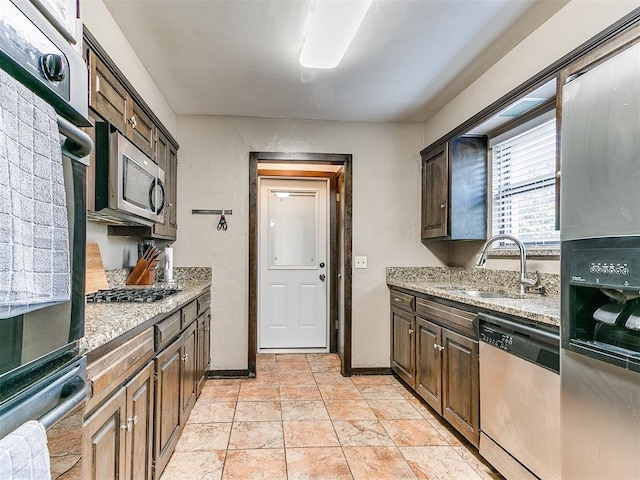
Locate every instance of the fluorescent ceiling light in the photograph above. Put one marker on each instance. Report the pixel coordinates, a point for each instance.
(331, 29)
(282, 194)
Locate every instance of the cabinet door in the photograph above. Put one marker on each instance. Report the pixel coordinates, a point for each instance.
(168, 365)
(435, 193)
(203, 349)
(167, 158)
(429, 363)
(188, 372)
(140, 129)
(104, 449)
(107, 95)
(403, 345)
(139, 436)
(461, 386)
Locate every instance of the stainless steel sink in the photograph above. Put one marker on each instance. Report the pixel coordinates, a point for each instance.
(481, 294)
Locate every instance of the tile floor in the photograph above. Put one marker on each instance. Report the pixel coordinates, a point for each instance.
(300, 419)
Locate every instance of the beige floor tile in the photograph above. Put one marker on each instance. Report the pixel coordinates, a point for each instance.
(204, 465)
(383, 392)
(350, 410)
(212, 412)
(259, 392)
(255, 435)
(413, 433)
(213, 392)
(479, 464)
(265, 464)
(258, 411)
(394, 409)
(204, 436)
(324, 368)
(312, 433)
(372, 379)
(378, 463)
(362, 433)
(304, 410)
(332, 378)
(452, 437)
(293, 367)
(329, 358)
(438, 463)
(339, 392)
(317, 464)
(299, 392)
(296, 378)
(290, 357)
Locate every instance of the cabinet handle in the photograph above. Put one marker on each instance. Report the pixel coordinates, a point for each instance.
(133, 419)
(438, 347)
(168, 204)
(133, 121)
(443, 205)
(126, 427)
(396, 299)
(410, 331)
(185, 357)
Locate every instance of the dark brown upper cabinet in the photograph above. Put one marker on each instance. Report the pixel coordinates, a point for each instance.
(454, 190)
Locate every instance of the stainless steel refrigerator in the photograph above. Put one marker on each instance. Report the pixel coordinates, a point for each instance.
(600, 269)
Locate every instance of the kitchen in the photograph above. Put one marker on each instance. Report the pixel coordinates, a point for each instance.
(385, 208)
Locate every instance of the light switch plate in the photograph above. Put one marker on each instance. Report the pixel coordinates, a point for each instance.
(361, 262)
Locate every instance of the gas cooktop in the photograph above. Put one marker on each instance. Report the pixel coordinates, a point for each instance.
(136, 295)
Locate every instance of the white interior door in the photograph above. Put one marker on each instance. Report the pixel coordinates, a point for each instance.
(293, 264)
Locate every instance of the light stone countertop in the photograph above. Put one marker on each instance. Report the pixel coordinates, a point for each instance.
(107, 321)
(440, 281)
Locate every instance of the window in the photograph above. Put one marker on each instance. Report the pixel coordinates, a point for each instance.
(524, 185)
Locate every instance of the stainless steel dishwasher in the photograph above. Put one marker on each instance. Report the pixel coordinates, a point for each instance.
(520, 398)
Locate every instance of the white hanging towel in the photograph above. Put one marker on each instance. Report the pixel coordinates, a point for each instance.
(24, 454)
(34, 232)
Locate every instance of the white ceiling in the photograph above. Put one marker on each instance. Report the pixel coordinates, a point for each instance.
(240, 57)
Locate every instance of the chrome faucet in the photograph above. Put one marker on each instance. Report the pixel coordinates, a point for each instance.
(524, 280)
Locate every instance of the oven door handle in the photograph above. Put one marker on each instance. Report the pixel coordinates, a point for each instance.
(78, 144)
(80, 390)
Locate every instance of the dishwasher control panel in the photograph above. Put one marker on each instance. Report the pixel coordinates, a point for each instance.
(495, 338)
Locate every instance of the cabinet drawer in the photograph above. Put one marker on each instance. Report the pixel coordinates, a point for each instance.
(204, 301)
(402, 301)
(110, 371)
(189, 313)
(450, 316)
(166, 330)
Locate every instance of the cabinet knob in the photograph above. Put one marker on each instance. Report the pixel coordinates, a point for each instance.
(185, 357)
(126, 427)
(443, 205)
(438, 347)
(410, 331)
(133, 121)
(168, 204)
(133, 420)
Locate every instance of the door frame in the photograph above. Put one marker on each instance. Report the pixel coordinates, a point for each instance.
(340, 336)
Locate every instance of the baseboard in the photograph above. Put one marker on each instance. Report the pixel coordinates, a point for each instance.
(228, 374)
(371, 371)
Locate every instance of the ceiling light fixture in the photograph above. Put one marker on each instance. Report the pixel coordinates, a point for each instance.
(331, 29)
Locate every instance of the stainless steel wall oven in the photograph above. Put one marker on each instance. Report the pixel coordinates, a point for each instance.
(42, 371)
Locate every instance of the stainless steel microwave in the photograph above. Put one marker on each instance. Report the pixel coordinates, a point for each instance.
(129, 186)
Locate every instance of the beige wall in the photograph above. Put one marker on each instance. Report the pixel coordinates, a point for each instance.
(213, 173)
(573, 25)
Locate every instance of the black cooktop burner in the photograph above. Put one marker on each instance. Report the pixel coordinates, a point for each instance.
(123, 295)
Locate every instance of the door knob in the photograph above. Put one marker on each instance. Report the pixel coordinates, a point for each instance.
(322, 277)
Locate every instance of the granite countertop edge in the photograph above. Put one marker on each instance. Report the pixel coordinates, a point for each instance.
(107, 322)
(539, 308)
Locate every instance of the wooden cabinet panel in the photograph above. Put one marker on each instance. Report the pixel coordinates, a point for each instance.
(448, 316)
(107, 95)
(167, 159)
(188, 372)
(140, 129)
(402, 301)
(204, 322)
(189, 313)
(167, 329)
(139, 436)
(461, 388)
(103, 443)
(435, 194)
(168, 365)
(403, 345)
(429, 363)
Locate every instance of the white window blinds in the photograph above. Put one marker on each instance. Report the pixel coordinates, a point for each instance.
(524, 186)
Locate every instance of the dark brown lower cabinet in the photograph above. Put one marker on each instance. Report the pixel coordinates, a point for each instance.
(440, 364)
(117, 437)
(403, 345)
(188, 373)
(168, 404)
(204, 326)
